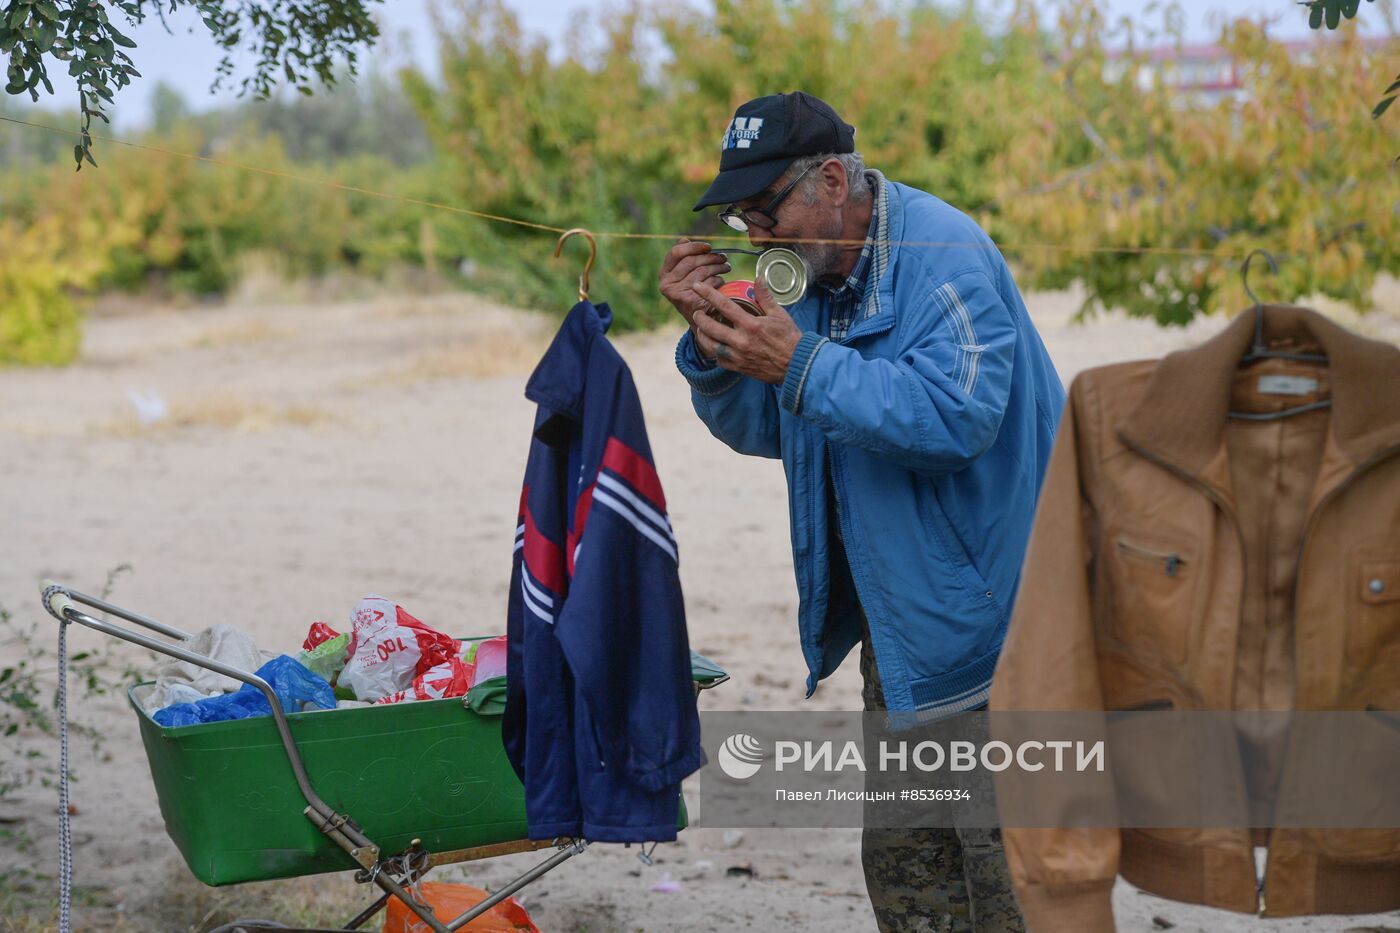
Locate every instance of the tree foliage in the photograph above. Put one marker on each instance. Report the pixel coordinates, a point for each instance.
(1290, 163)
(1331, 13)
(1061, 140)
(298, 41)
(47, 255)
(154, 221)
(363, 115)
(187, 226)
(622, 132)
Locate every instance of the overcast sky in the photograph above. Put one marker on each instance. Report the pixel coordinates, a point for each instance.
(186, 59)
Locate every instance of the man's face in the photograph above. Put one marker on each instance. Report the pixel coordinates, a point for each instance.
(798, 220)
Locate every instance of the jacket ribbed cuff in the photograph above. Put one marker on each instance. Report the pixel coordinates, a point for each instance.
(798, 368)
(658, 779)
(1083, 908)
(703, 378)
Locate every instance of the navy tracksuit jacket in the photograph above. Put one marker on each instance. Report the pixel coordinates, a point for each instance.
(600, 719)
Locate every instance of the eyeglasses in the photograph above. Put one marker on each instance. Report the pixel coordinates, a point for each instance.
(763, 218)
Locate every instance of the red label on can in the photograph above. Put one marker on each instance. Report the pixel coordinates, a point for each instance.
(740, 291)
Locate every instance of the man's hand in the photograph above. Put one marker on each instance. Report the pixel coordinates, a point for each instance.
(686, 265)
(760, 347)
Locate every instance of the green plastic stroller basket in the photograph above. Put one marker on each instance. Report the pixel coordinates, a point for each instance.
(430, 770)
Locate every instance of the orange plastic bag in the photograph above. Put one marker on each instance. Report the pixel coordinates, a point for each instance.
(449, 901)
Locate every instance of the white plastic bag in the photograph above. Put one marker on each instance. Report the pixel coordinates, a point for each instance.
(389, 648)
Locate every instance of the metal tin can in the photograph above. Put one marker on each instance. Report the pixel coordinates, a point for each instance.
(739, 291)
(785, 273)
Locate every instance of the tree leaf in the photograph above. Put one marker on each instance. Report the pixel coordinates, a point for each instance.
(1315, 16)
(47, 10)
(1382, 107)
(48, 32)
(120, 39)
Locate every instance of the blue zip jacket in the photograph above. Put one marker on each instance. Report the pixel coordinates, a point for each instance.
(600, 720)
(936, 414)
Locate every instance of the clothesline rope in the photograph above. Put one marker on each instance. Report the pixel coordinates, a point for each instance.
(623, 234)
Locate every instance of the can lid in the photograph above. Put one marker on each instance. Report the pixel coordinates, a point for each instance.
(784, 272)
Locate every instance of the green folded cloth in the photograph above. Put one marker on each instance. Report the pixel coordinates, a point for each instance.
(488, 698)
(703, 670)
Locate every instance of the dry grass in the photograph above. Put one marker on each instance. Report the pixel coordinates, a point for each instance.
(324, 901)
(497, 349)
(240, 333)
(416, 306)
(474, 360)
(180, 904)
(262, 277)
(265, 278)
(479, 311)
(223, 411)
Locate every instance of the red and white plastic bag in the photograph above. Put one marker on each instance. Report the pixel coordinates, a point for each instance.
(389, 649)
(319, 634)
(448, 679)
(484, 659)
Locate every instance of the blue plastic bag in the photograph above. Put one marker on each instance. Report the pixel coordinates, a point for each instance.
(290, 680)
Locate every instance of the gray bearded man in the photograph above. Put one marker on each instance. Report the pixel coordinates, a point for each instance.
(913, 405)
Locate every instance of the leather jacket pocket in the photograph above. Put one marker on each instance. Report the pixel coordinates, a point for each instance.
(1375, 606)
(1151, 756)
(1378, 734)
(1153, 581)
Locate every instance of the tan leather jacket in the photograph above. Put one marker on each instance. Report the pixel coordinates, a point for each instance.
(1220, 564)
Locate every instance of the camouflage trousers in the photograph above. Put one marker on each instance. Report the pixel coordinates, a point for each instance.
(934, 880)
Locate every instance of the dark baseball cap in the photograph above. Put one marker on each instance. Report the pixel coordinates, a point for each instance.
(764, 138)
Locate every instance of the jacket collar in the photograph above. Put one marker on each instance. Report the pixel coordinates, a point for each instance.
(881, 274)
(558, 381)
(1181, 417)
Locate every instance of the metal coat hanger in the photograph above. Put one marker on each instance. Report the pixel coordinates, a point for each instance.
(592, 257)
(1259, 350)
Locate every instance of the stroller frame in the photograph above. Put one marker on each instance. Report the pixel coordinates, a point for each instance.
(396, 875)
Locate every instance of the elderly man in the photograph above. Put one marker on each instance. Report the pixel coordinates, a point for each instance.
(913, 405)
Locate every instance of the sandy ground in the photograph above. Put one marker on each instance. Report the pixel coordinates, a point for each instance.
(317, 453)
